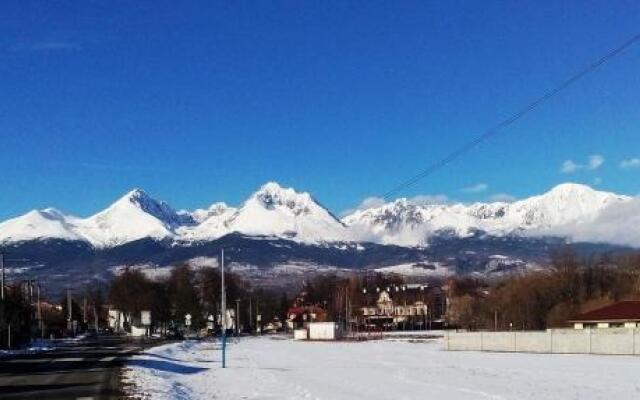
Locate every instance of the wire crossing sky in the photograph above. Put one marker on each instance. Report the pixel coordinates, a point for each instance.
(457, 153)
(206, 101)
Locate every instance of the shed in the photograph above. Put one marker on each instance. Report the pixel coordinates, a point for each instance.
(323, 331)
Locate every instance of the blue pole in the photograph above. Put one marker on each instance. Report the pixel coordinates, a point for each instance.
(224, 349)
(223, 313)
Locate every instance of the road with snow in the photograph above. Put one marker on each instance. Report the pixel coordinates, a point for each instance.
(276, 368)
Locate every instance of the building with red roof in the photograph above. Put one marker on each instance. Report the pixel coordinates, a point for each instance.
(623, 314)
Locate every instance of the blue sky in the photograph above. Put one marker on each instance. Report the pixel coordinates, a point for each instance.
(206, 101)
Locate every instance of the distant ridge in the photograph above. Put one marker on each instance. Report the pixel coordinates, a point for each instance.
(566, 210)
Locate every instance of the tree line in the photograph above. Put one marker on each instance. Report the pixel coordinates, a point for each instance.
(544, 299)
(195, 292)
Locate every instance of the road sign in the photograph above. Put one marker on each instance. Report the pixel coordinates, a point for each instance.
(145, 317)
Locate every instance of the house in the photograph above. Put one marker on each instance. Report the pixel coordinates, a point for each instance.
(300, 316)
(409, 306)
(623, 314)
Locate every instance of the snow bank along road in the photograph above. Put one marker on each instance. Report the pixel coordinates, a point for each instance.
(270, 368)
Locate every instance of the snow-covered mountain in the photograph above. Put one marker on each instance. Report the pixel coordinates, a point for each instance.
(567, 210)
(38, 224)
(134, 216)
(271, 211)
(405, 223)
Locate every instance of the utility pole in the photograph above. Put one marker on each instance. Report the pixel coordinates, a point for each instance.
(69, 305)
(84, 310)
(2, 278)
(346, 309)
(250, 316)
(95, 318)
(223, 304)
(237, 317)
(40, 324)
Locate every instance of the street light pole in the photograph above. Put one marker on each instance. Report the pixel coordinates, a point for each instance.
(237, 317)
(2, 278)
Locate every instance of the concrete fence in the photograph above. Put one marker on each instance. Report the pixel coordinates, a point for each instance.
(624, 341)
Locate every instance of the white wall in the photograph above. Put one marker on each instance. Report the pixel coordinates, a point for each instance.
(300, 334)
(620, 341)
(323, 331)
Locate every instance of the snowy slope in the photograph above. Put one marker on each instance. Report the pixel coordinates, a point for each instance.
(211, 223)
(274, 210)
(38, 224)
(134, 216)
(404, 223)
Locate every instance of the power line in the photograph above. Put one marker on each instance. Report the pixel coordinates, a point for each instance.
(510, 120)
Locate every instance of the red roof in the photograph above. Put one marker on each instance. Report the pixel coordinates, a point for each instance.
(621, 311)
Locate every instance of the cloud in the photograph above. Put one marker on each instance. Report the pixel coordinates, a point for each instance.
(618, 223)
(597, 180)
(630, 163)
(593, 163)
(425, 199)
(569, 167)
(374, 202)
(369, 202)
(477, 188)
(502, 197)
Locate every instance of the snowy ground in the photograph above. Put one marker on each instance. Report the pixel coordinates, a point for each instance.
(274, 368)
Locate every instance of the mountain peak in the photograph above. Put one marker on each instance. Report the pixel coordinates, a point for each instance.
(272, 194)
(272, 187)
(135, 195)
(572, 188)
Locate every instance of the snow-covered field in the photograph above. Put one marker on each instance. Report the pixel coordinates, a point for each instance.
(273, 368)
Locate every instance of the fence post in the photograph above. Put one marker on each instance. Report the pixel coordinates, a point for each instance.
(589, 340)
(550, 341)
(481, 341)
(447, 341)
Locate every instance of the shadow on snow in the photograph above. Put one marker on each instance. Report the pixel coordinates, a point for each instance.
(166, 366)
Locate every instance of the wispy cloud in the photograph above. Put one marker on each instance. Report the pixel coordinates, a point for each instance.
(630, 163)
(425, 199)
(593, 163)
(477, 188)
(502, 197)
(367, 203)
(374, 202)
(569, 166)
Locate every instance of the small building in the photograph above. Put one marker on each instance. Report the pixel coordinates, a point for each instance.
(623, 314)
(324, 331)
(300, 316)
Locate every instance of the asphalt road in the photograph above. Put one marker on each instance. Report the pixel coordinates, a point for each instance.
(80, 370)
